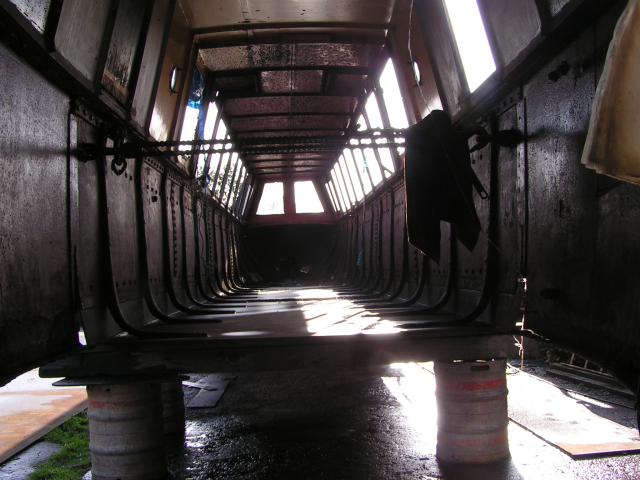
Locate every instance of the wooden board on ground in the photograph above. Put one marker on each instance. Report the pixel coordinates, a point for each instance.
(30, 410)
(212, 387)
(561, 420)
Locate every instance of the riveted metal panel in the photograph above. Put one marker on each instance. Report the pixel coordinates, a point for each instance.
(510, 196)
(471, 265)
(91, 284)
(174, 230)
(152, 206)
(201, 231)
(398, 228)
(189, 235)
(121, 202)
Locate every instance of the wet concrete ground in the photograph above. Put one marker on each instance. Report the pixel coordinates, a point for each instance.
(366, 424)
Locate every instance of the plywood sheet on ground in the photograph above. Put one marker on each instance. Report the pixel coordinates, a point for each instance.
(564, 421)
(31, 408)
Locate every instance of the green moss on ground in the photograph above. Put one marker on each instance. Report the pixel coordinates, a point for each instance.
(74, 460)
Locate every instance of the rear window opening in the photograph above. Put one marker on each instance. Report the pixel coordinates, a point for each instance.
(307, 200)
(471, 40)
(272, 200)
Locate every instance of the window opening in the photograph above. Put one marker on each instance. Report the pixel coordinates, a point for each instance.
(387, 161)
(335, 197)
(237, 209)
(471, 39)
(416, 71)
(307, 199)
(222, 167)
(192, 124)
(392, 97)
(333, 202)
(373, 113)
(342, 168)
(230, 182)
(354, 173)
(372, 155)
(173, 78)
(209, 128)
(245, 200)
(338, 187)
(236, 184)
(210, 122)
(216, 158)
(272, 201)
(365, 170)
(226, 181)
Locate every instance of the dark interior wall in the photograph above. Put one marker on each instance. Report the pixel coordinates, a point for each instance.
(35, 314)
(571, 232)
(281, 251)
(582, 250)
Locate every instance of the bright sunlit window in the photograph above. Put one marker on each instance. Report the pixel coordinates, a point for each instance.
(330, 193)
(209, 125)
(272, 201)
(392, 97)
(471, 39)
(337, 181)
(307, 200)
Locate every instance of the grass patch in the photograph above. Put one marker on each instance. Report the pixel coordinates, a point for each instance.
(74, 460)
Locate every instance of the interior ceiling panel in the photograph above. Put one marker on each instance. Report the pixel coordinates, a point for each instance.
(289, 170)
(282, 105)
(290, 82)
(302, 81)
(346, 82)
(290, 122)
(289, 156)
(240, 82)
(291, 133)
(283, 163)
(207, 14)
(223, 59)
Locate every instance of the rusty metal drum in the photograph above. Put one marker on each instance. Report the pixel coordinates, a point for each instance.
(472, 411)
(126, 437)
(173, 408)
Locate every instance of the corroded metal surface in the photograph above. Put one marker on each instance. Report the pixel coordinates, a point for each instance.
(35, 312)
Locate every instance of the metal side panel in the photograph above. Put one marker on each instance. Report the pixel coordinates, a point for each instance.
(83, 34)
(400, 238)
(174, 234)
(561, 197)
(152, 205)
(201, 242)
(189, 235)
(123, 222)
(36, 321)
(509, 196)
